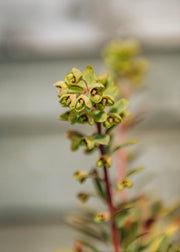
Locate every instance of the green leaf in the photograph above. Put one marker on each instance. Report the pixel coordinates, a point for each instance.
(98, 185)
(109, 83)
(130, 173)
(89, 246)
(99, 116)
(112, 91)
(87, 226)
(120, 211)
(102, 139)
(121, 218)
(144, 246)
(91, 141)
(75, 138)
(89, 75)
(163, 244)
(64, 116)
(119, 106)
(125, 144)
(75, 89)
(73, 117)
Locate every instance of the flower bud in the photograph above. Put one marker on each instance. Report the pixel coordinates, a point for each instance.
(107, 100)
(63, 88)
(104, 161)
(68, 100)
(83, 197)
(80, 176)
(101, 217)
(83, 102)
(125, 183)
(85, 117)
(112, 119)
(73, 77)
(96, 92)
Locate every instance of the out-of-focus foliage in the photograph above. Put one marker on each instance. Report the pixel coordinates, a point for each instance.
(124, 61)
(143, 225)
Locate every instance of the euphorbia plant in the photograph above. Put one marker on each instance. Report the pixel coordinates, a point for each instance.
(93, 100)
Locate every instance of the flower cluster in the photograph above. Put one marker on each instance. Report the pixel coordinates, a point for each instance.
(87, 96)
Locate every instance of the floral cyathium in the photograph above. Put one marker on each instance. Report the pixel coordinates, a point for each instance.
(89, 94)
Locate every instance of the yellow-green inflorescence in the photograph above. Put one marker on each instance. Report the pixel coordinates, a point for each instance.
(124, 61)
(90, 99)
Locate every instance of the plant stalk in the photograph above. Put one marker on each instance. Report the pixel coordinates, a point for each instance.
(114, 231)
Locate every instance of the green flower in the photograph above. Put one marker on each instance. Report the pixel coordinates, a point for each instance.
(68, 100)
(83, 197)
(104, 161)
(83, 102)
(112, 119)
(88, 142)
(85, 117)
(101, 217)
(96, 92)
(107, 100)
(63, 88)
(73, 77)
(80, 176)
(125, 183)
(75, 138)
(99, 116)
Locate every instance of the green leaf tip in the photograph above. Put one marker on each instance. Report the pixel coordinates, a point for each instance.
(125, 144)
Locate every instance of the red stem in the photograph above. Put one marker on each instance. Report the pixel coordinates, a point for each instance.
(114, 231)
(120, 159)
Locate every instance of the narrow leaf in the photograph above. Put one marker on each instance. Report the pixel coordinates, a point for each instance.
(98, 185)
(119, 106)
(88, 75)
(130, 173)
(130, 142)
(88, 245)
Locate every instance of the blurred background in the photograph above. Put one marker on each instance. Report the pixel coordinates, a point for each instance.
(40, 41)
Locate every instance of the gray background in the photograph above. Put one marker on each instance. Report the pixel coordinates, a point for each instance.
(40, 41)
